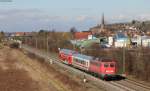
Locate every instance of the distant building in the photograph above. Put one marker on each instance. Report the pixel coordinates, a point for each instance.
(22, 33)
(82, 35)
(121, 40)
(143, 41)
(19, 33)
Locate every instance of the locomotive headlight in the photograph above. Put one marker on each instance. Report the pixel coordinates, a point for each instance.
(109, 71)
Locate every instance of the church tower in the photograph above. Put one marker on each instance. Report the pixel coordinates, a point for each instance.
(102, 21)
(102, 26)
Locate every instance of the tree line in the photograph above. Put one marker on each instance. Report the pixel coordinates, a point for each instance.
(50, 40)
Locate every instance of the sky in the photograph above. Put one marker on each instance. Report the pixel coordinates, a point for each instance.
(61, 15)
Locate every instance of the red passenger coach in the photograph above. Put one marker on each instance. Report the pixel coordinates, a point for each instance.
(66, 55)
(103, 67)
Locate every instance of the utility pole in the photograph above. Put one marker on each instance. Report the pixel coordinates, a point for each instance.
(25, 39)
(36, 41)
(124, 58)
(47, 44)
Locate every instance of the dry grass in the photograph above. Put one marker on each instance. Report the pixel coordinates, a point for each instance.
(12, 78)
(72, 83)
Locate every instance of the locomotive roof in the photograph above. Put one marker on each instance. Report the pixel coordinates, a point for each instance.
(104, 59)
(83, 57)
(67, 51)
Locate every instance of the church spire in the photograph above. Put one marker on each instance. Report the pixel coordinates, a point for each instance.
(102, 22)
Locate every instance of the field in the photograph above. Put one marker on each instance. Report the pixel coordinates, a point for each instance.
(22, 71)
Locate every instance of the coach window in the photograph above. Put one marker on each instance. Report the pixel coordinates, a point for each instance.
(80, 61)
(83, 62)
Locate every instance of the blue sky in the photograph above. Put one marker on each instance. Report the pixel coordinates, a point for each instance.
(33, 15)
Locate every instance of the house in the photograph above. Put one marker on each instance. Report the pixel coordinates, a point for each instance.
(121, 40)
(19, 33)
(82, 35)
(141, 41)
(22, 33)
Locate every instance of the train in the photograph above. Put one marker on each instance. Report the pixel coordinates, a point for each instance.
(100, 66)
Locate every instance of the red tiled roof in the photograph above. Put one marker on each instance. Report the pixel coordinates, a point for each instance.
(22, 33)
(82, 35)
(19, 33)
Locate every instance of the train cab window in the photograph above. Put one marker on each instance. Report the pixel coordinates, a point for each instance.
(106, 65)
(112, 65)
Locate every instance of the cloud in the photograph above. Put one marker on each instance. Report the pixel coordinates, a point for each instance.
(34, 19)
(29, 14)
(81, 18)
(120, 17)
(28, 19)
(2, 16)
(143, 17)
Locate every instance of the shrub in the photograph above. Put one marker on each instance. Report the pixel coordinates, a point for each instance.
(14, 45)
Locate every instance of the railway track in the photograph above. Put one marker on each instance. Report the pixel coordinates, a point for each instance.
(138, 85)
(132, 85)
(142, 84)
(123, 85)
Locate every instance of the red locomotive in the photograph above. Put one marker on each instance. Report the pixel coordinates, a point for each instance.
(103, 67)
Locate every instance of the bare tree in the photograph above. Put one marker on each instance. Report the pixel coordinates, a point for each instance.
(2, 35)
(72, 31)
